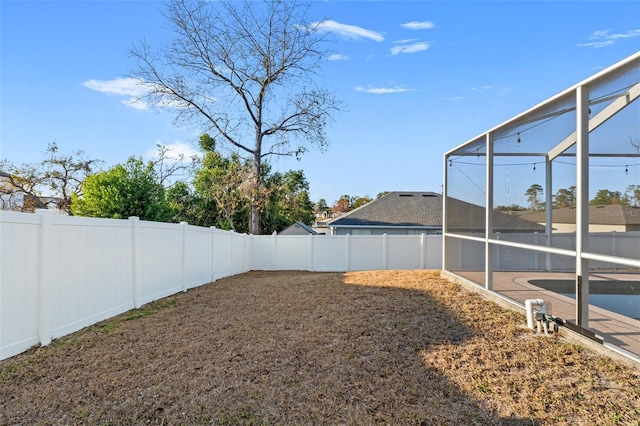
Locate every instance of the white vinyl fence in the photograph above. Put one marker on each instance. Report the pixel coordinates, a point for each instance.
(59, 274)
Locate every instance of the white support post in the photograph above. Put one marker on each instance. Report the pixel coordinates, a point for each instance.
(445, 170)
(274, 253)
(136, 260)
(347, 257)
(213, 253)
(582, 205)
(385, 252)
(488, 252)
(231, 254)
(46, 267)
(423, 251)
(183, 262)
(310, 252)
(549, 209)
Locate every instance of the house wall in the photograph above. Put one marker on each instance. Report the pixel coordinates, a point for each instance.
(382, 231)
(571, 227)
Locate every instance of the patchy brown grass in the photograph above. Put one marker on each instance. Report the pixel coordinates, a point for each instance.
(388, 347)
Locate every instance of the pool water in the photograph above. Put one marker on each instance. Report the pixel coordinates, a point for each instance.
(622, 297)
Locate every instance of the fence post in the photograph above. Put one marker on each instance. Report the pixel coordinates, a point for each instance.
(347, 253)
(45, 292)
(231, 270)
(423, 251)
(213, 253)
(385, 251)
(274, 254)
(310, 252)
(136, 260)
(183, 275)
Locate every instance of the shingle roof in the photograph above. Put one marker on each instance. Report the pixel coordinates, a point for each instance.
(613, 214)
(396, 209)
(424, 209)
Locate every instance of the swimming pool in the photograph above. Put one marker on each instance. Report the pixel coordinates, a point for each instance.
(622, 297)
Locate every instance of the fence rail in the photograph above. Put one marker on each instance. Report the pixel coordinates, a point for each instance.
(59, 274)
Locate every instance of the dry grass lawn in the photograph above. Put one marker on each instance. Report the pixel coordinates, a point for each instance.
(384, 347)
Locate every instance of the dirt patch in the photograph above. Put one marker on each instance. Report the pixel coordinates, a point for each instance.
(389, 347)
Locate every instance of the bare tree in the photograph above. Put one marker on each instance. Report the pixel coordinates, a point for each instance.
(172, 168)
(244, 72)
(52, 181)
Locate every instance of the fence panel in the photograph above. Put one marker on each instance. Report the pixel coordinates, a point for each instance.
(19, 276)
(88, 272)
(198, 254)
(222, 253)
(160, 254)
(240, 244)
(330, 253)
(433, 251)
(404, 252)
(292, 252)
(366, 252)
(263, 252)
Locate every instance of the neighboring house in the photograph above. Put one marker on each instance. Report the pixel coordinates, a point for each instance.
(321, 227)
(21, 202)
(414, 213)
(607, 218)
(298, 228)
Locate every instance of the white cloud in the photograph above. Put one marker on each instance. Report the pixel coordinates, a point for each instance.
(175, 149)
(406, 40)
(337, 57)
(597, 44)
(418, 25)
(498, 90)
(455, 98)
(603, 38)
(383, 90)
(410, 48)
(132, 89)
(347, 31)
(119, 86)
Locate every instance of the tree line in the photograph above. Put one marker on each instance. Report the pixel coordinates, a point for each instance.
(566, 197)
(215, 192)
(207, 190)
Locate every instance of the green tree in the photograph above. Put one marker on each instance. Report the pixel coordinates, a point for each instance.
(223, 182)
(632, 195)
(533, 193)
(360, 201)
(130, 189)
(190, 206)
(511, 208)
(321, 207)
(245, 71)
(565, 197)
(289, 201)
(606, 197)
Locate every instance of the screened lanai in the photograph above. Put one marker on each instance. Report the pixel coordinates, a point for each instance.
(570, 166)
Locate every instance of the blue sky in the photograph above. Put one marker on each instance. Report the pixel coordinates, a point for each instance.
(417, 79)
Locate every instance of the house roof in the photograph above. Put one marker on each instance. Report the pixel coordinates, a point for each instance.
(424, 210)
(612, 214)
(302, 225)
